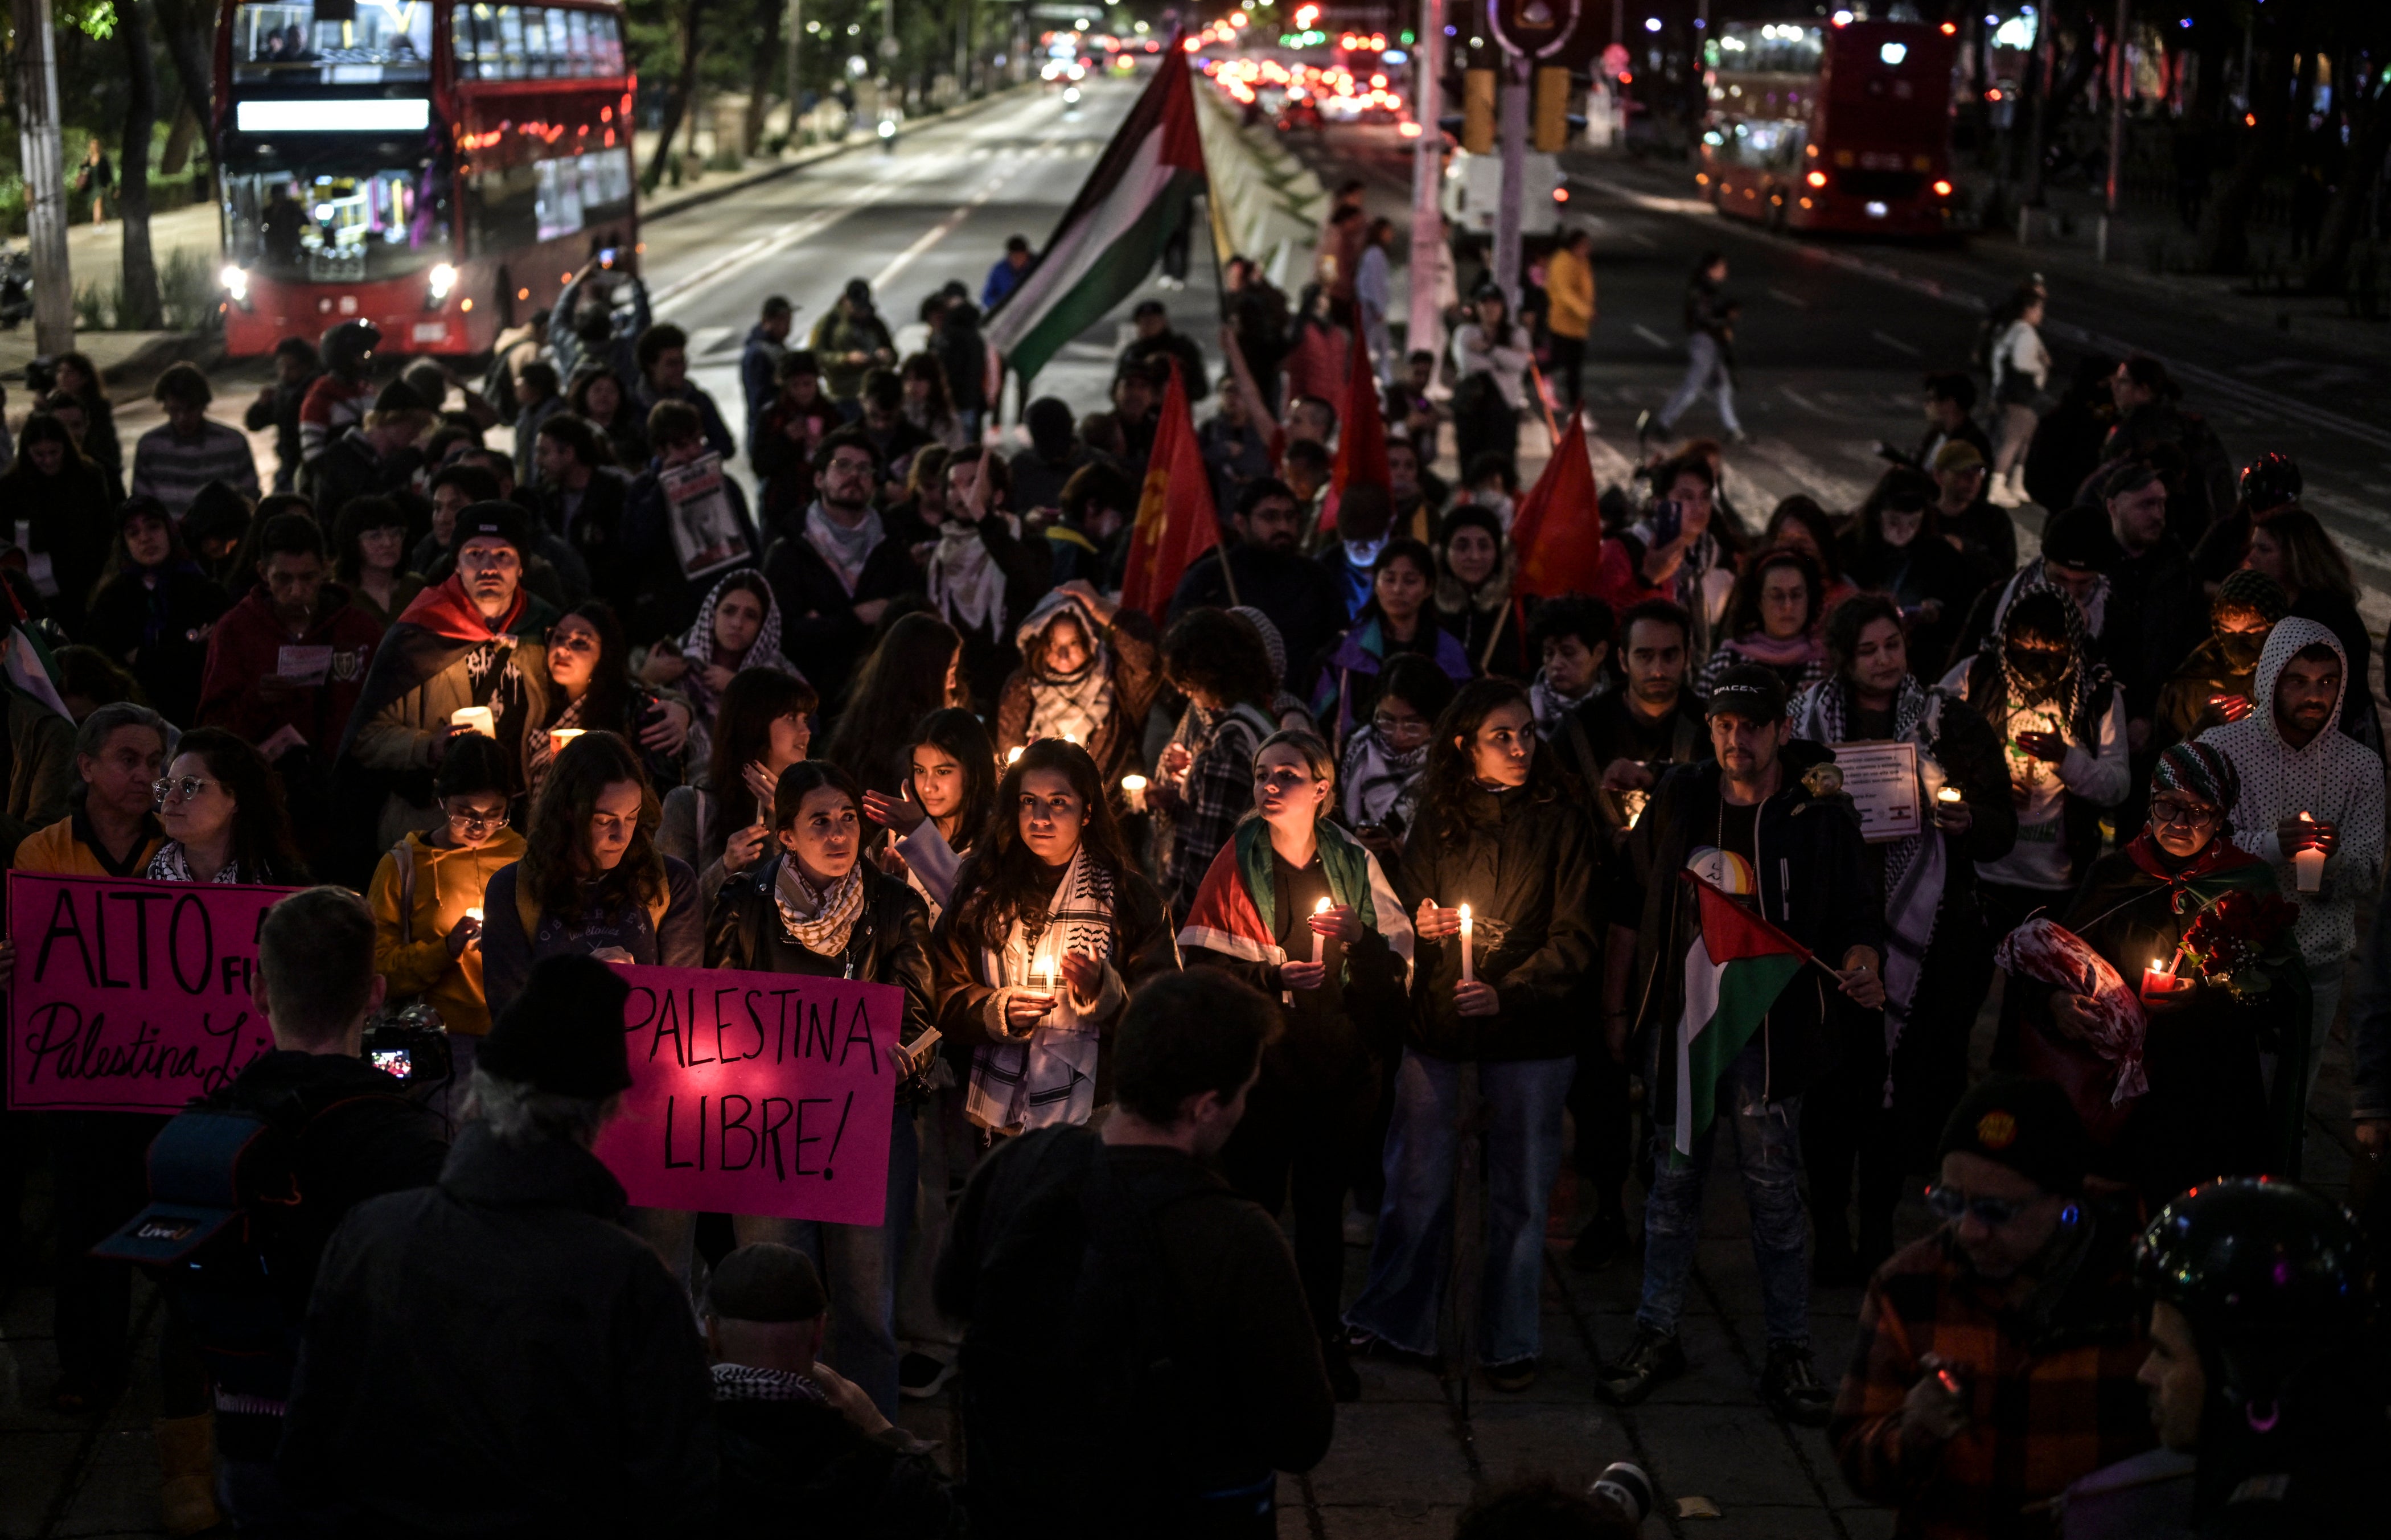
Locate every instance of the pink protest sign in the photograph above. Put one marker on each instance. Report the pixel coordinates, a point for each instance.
(130, 996)
(757, 1093)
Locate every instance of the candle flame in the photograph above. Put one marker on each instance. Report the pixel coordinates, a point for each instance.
(1465, 915)
(1320, 908)
(1012, 756)
(1132, 783)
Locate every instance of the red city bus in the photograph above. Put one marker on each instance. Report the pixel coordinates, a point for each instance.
(437, 167)
(1828, 126)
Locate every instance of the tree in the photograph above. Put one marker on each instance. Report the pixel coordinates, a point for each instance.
(140, 308)
(764, 62)
(682, 106)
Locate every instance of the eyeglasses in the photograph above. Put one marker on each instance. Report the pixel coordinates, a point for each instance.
(189, 786)
(2171, 813)
(1949, 1203)
(847, 466)
(473, 819)
(1409, 728)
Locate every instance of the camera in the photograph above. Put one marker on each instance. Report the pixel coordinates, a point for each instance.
(1627, 1487)
(417, 1055)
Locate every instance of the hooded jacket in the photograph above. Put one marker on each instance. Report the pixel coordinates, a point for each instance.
(1125, 650)
(411, 939)
(2334, 779)
(246, 647)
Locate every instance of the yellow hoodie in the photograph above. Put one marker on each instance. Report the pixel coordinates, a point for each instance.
(448, 882)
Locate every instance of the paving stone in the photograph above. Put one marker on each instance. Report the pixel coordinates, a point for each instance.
(1570, 1444)
(1392, 1453)
(118, 1493)
(1396, 1520)
(1728, 1456)
(33, 1463)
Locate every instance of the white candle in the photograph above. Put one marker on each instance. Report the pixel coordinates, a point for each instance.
(1012, 755)
(559, 736)
(1468, 964)
(1134, 793)
(1320, 939)
(1948, 797)
(474, 913)
(478, 717)
(2308, 865)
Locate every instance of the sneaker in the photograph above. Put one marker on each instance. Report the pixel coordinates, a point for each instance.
(1793, 1388)
(1602, 1242)
(1650, 1360)
(1511, 1378)
(920, 1376)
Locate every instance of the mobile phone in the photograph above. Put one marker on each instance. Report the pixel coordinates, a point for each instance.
(1668, 520)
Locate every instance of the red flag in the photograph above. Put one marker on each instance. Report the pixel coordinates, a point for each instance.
(1559, 530)
(1362, 435)
(1175, 521)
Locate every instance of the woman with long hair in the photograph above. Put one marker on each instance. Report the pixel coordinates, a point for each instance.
(927, 403)
(1491, 352)
(1395, 621)
(737, 627)
(1474, 568)
(2292, 546)
(1051, 929)
(816, 909)
(1939, 966)
(945, 802)
(79, 377)
(597, 396)
(913, 671)
(1496, 832)
(371, 545)
(589, 666)
(426, 895)
(1300, 910)
(221, 806)
(1895, 546)
(1088, 673)
(1204, 780)
(152, 608)
(591, 880)
(718, 823)
(61, 500)
(1772, 619)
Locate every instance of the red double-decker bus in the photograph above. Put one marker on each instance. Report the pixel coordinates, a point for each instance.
(1826, 125)
(437, 167)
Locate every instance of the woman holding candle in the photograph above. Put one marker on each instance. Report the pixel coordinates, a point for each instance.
(1298, 909)
(814, 907)
(1938, 960)
(943, 804)
(1088, 673)
(2206, 1111)
(1049, 930)
(738, 627)
(1204, 780)
(1496, 832)
(589, 666)
(719, 825)
(426, 898)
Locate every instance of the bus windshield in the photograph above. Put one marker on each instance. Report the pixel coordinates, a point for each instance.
(332, 221)
(285, 42)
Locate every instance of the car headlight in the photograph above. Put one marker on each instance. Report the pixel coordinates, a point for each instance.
(442, 279)
(236, 283)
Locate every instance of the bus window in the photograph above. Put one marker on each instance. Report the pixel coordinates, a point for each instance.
(511, 206)
(384, 40)
(319, 221)
(537, 43)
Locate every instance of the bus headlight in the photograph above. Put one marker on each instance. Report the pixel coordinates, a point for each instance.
(887, 128)
(236, 283)
(440, 281)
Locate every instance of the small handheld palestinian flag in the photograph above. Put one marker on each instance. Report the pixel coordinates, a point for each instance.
(1735, 970)
(1235, 910)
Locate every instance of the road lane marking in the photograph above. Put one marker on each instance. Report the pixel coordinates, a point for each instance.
(1653, 337)
(1896, 343)
(1794, 300)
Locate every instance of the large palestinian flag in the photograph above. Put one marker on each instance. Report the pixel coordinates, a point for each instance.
(1735, 970)
(1113, 234)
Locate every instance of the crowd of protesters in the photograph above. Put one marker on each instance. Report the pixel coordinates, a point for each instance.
(1346, 836)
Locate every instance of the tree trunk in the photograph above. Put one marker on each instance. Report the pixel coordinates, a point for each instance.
(2223, 226)
(176, 157)
(761, 66)
(681, 107)
(2370, 140)
(139, 308)
(183, 29)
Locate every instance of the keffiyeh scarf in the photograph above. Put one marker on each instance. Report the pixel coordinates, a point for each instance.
(747, 1382)
(1550, 706)
(844, 549)
(170, 865)
(697, 646)
(1381, 786)
(817, 921)
(966, 586)
(1075, 705)
(1050, 1078)
(1915, 868)
(2077, 687)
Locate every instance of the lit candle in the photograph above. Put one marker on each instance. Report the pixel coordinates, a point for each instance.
(559, 736)
(1012, 755)
(2159, 980)
(1948, 797)
(1468, 964)
(1134, 793)
(479, 718)
(1319, 937)
(474, 913)
(2308, 865)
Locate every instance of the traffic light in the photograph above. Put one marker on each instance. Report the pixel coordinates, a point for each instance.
(1477, 111)
(1550, 108)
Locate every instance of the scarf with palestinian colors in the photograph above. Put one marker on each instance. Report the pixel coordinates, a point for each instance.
(1235, 910)
(1048, 1078)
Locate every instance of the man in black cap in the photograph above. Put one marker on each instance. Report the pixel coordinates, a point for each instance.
(2077, 551)
(496, 1354)
(1995, 1358)
(1767, 821)
(376, 456)
(1156, 339)
(475, 639)
(796, 1438)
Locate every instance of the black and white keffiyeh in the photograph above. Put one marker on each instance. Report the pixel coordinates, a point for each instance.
(1077, 704)
(747, 1382)
(170, 864)
(1380, 785)
(1050, 1078)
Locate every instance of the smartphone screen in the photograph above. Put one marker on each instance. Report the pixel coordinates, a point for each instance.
(1668, 518)
(398, 1063)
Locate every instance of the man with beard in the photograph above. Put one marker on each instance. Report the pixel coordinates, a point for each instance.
(1622, 741)
(1266, 570)
(2212, 686)
(475, 640)
(836, 575)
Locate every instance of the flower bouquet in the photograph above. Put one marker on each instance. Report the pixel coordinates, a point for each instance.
(2228, 941)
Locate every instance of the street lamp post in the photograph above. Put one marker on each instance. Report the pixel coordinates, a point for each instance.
(46, 181)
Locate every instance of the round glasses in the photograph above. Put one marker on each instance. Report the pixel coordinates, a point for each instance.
(2171, 813)
(190, 786)
(472, 821)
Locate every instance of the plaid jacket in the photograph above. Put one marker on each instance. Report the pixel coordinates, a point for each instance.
(2050, 1365)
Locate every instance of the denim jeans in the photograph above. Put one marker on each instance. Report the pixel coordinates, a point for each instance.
(1767, 1142)
(858, 1264)
(1705, 370)
(1524, 1098)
